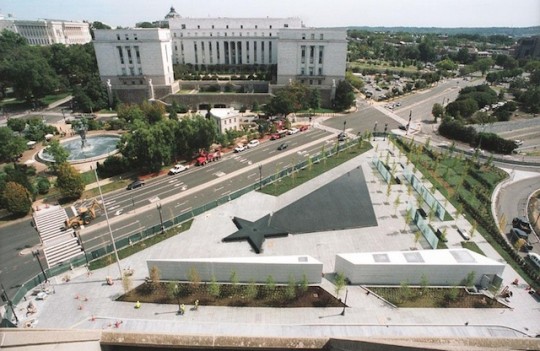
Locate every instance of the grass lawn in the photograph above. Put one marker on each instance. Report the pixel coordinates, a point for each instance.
(141, 245)
(17, 105)
(314, 169)
(471, 245)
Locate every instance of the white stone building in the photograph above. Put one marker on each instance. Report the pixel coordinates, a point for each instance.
(136, 62)
(48, 32)
(313, 56)
(226, 118)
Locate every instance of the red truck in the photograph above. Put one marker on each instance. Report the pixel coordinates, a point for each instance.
(205, 157)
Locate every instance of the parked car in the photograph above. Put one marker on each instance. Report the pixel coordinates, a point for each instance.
(522, 223)
(518, 142)
(136, 184)
(304, 128)
(535, 258)
(293, 131)
(464, 234)
(239, 148)
(283, 146)
(519, 234)
(253, 143)
(177, 169)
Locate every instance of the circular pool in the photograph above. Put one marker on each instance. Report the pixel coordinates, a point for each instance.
(97, 146)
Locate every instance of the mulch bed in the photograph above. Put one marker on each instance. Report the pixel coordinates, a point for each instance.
(230, 295)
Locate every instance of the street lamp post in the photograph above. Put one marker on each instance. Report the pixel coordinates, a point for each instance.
(160, 217)
(108, 225)
(408, 124)
(345, 303)
(64, 114)
(344, 124)
(385, 129)
(35, 253)
(374, 130)
(260, 176)
(6, 298)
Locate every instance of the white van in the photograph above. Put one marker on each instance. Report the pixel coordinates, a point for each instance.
(535, 258)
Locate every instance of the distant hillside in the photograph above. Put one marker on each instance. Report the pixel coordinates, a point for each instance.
(514, 32)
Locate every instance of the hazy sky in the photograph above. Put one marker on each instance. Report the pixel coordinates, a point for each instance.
(314, 13)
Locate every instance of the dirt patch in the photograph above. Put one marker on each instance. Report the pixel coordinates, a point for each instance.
(231, 295)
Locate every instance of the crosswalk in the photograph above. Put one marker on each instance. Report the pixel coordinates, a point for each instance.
(58, 245)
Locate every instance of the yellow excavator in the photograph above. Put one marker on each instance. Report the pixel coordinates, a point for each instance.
(85, 216)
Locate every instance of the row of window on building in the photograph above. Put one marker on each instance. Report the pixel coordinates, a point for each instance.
(184, 26)
(232, 52)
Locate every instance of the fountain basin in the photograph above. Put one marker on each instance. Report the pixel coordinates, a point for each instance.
(97, 147)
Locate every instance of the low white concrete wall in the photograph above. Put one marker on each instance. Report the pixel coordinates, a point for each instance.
(247, 269)
(358, 269)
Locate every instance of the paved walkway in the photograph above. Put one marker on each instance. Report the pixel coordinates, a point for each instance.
(86, 302)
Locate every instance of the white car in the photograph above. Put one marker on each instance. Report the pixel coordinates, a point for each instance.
(293, 131)
(253, 143)
(178, 169)
(518, 142)
(239, 148)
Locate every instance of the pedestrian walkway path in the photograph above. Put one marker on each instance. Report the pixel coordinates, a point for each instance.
(87, 302)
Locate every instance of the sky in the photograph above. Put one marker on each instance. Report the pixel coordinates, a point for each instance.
(314, 13)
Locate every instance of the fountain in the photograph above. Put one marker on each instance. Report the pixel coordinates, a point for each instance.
(87, 148)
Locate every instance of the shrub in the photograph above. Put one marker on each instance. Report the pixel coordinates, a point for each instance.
(112, 166)
(43, 185)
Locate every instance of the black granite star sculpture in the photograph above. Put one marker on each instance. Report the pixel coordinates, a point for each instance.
(255, 232)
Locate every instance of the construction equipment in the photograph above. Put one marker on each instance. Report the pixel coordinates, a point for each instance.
(85, 216)
(205, 157)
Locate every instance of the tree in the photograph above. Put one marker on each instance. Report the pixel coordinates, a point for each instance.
(17, 199)
(483, 65)
(43, 185)
(251, 290)
(408, 218)
(214, 288)
(290, 290)
(194, 278)
(304, 284)
(16, 124)
(424, 282)
(270, 287)
(405, 291)
(437, 111)
(315, 99)
(344, 97)
(69, 182)
(339, 283)
(397, 202)
(59, 154)
(11, 146)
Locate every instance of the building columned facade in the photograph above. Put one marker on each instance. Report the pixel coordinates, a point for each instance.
(313, 56)
(48, 32)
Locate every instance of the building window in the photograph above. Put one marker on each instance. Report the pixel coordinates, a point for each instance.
(130, 59)
(311, 82)
(212, 26)
(270, 26)
(123, 71)
(256, 26)
(120, 54)
(198, 27)
(135, 36)
(127, 36)
(303, 55)
(320, 71)
(302, 71)
(311, 54)
(312, 36)
(303, 36)
(117, 36)
(310, 71)
(321, 50)
(241, 26)
(320, 81)
(227, 26)
(322, 36)
(140, 71)
(137, 55)
(285, 25)
(183, 26)
(174, 35)
(133, 82)
(131, 71)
